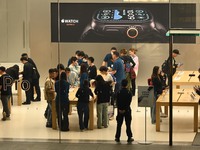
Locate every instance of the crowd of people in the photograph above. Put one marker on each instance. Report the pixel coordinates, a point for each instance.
(115, 79)
(114, 85)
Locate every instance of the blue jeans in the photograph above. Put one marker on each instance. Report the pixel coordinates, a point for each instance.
(153, 109)
(49, 114)
(83, 110)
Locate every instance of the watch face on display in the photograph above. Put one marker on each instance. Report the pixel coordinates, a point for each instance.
(123, 15)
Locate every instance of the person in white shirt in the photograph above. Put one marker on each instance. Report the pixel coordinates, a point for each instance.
(72, 77)
(132, 53)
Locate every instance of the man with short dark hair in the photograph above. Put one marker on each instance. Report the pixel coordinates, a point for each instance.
(80, 57)
(118, 70)
(76, 55)
(35, 80)
(27, 80)
(92, 69)
(124, 98)
(72, 77)
(175, 53)
(74, 66)
(108, 62)
(49, 94)
(5, 87)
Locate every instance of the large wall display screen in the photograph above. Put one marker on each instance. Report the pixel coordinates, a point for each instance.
(110, 22)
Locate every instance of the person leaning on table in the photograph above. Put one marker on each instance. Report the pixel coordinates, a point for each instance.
(5, 92)
(83, 94)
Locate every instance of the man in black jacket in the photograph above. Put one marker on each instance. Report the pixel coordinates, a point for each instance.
(124, 98)
(35, 79)
(14, 73)
(27, 80)
(5, 88)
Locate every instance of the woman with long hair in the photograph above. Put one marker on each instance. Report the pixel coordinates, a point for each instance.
(158, 88)
(83, 74)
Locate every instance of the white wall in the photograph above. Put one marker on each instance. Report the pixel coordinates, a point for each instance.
(45, 53)
(13, 30)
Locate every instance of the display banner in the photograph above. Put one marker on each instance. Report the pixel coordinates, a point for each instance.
(110, 22)
(145, 96)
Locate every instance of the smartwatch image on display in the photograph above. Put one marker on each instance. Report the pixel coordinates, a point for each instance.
(124, 25)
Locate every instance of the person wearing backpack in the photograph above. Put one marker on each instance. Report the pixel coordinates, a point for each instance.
(83, 94)
(166, 65)
(128, 66)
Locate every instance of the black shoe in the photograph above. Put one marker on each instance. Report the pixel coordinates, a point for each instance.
(26, 103)
(130, 140)
(117, 140)
(36, 100)
(49, 125)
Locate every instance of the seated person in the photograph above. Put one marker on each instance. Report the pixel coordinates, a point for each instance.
(72, 77)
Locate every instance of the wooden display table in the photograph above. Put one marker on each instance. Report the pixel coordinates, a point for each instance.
(73, 101)
(183, 78)
(183, 99)
(19, 91)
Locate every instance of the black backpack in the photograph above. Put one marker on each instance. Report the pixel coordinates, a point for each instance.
(165, 67)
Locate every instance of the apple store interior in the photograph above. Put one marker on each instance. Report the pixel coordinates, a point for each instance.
(51, 31)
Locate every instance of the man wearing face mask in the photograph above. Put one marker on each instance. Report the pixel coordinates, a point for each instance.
(108, 61)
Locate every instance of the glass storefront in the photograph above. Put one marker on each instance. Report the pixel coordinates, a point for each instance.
(26, 27)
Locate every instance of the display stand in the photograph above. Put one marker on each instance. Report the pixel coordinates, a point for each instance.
(145, 142)
(145, 99)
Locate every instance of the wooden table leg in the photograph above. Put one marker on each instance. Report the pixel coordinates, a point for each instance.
(157, 116)
(70, 109)
(19, 92)
(54, 124)
(196, 117)
(166, 110)
(91, 115)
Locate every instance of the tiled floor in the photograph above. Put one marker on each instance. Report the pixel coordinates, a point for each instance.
(88, 146)
(28, 122)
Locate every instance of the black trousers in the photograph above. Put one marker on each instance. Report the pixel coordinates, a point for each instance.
(62, 115)
(83, 115)
(28, 90)
(133, 86)
(37, 89)
(120, 118)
